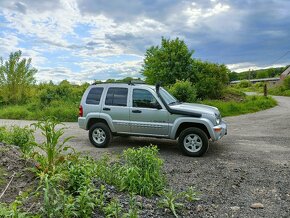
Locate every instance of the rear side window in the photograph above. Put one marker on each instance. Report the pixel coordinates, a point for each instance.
(117, 97)
(94, 96)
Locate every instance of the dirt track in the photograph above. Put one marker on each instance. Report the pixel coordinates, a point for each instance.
(251, 164)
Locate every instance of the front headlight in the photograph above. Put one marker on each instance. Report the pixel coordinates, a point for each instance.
(218, 119)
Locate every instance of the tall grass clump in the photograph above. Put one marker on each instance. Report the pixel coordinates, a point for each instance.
(138, 171)
(23, 137)
(142, 171)
(281, 89)
(249, 105)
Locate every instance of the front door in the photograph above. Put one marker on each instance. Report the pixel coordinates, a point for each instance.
(147, 117)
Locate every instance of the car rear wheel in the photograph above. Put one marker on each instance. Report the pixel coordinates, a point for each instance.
(193, 142)
(100, 135)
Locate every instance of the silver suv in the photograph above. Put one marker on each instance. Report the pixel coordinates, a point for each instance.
(144, 110)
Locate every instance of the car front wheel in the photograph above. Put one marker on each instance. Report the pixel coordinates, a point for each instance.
(100, 135)
(193, 142)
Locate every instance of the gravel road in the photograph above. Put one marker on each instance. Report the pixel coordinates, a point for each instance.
(249, 165)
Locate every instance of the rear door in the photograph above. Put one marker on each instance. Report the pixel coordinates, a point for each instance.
(147, 116)
(116, 105)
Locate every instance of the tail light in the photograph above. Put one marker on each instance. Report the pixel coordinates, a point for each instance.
(81, 112)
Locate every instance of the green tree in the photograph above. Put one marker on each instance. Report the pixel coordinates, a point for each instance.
(16, 78)
(184, 91)
(211, 79)
(170, 62)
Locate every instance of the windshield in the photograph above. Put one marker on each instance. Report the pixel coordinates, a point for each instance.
(168, 98)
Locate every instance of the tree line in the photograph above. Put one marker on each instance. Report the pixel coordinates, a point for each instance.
(171, 63)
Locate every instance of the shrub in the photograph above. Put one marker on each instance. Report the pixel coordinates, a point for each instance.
(286, 82)
(15, 112)
(210, 79)
(245, 84)
(184, 91)
(139, 171)
(19, 136)
(13, 210)
(80, 173)
(142, 171)
(3, 134)
(22, 137)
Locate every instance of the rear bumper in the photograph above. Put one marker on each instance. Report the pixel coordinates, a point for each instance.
(220, 130)
(82, 123)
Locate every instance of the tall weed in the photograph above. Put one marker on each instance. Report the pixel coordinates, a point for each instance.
(52, 147)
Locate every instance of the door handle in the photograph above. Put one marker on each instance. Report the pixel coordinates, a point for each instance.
(106, 109)
(136, 111)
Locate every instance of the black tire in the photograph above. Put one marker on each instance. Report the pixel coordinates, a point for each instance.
(193, 142)
(105, 135)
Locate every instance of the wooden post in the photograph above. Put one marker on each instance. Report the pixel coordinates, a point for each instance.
(265, 90)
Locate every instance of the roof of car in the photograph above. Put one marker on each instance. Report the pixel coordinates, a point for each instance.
(122, 85)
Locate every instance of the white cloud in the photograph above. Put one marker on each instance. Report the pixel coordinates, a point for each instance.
(107, 39)
(248, 66)
(195, 13)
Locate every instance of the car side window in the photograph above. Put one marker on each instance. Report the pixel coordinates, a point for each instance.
(144, 98)
(94, 96)
(117, 96)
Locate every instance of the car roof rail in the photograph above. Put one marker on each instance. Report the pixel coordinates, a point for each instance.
(131, 82)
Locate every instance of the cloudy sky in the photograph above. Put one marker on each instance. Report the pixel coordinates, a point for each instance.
(83, 40)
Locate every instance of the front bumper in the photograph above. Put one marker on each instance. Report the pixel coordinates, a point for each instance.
(220, 130)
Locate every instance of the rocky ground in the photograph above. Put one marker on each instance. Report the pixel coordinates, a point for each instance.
(246, 174)
(16, 177)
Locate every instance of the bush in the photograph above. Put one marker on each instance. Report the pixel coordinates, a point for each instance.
(210, 79)
(142, 171)
(286, 82)
(139, 171)
(19, 136)
(245, 84)
(184, 91)
(15, 112)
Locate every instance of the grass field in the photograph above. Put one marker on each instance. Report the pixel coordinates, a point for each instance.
(249, 105)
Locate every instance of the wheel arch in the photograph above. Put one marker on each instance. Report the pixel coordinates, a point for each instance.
(92, 121)
(186, 125)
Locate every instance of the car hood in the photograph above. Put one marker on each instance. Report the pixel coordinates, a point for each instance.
(196, 108)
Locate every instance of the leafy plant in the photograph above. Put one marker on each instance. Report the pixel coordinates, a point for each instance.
(184, 91)
(52, 148)
(113, 209)
(170, 200)
(56, 202)
(101, 197)
(12, 210)
(3, 134)
(85, 202)
(133, 208)
(190, 195)
(80, 172)
(175, 201)
(22, 137)
(19, 136)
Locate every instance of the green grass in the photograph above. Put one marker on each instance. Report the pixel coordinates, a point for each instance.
(249, 105)
(279, 91)
(63, 111)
